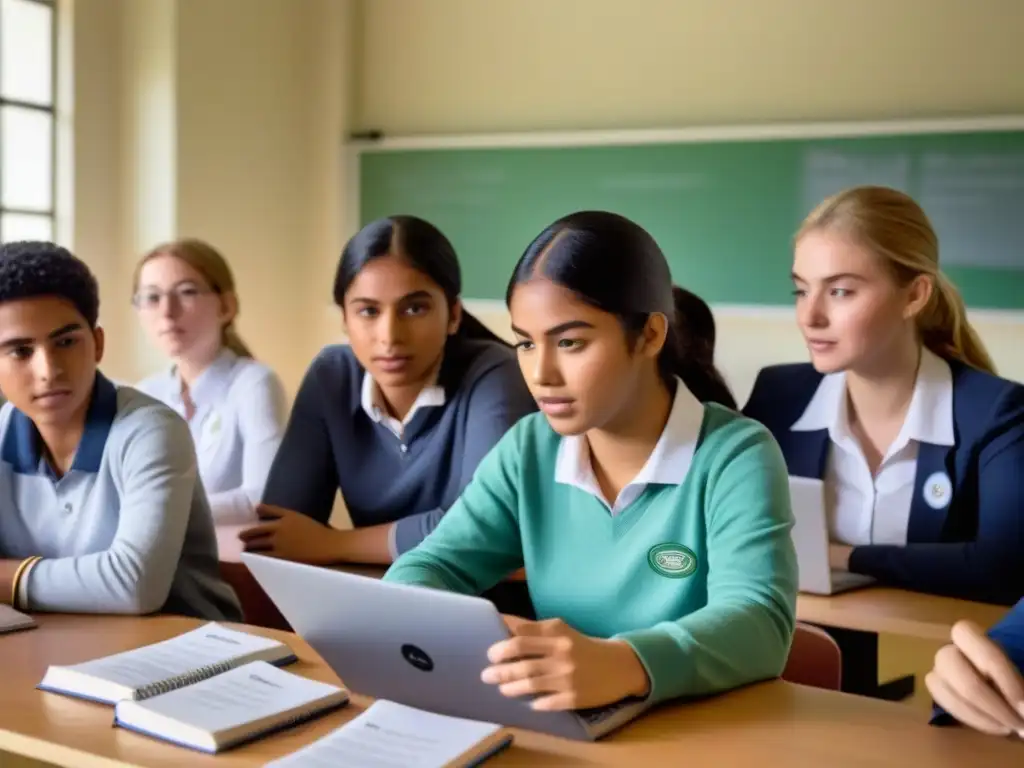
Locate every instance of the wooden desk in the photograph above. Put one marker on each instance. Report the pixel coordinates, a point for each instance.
(798, 726)
(895, 612)
(875, 609)
(858, 617)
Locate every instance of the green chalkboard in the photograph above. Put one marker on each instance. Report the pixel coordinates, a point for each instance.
(723, 212)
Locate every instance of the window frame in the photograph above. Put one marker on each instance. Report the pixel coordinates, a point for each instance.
(51, 110)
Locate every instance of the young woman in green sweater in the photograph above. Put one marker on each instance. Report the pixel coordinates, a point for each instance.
(653, 520)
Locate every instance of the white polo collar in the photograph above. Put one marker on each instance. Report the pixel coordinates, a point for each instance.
(668, 464)
(372, 400)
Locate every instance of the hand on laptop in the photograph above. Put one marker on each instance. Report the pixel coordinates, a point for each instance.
(513, 622)
(976, 683)
(839, 557)
(563, 668)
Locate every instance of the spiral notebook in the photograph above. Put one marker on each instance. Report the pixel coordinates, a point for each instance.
(232, 708)
(165, 666)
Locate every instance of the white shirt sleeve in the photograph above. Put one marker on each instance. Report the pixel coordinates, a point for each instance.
(261, 405)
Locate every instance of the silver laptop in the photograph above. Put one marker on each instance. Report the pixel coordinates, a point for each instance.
(421, 647)
(810, 537)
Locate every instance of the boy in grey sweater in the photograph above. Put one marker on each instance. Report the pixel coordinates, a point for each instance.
(101, 508)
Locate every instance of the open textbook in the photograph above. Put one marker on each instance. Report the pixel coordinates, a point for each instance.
(390, 735)
(231, 708)
(12, 620)
(165, 666)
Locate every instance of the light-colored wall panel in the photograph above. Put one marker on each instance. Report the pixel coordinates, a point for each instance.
(455, 66)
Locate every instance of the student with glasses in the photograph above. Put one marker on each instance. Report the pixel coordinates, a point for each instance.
(235, 407)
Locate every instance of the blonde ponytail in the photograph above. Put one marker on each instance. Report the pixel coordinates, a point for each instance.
(945, 330)
(894, 227)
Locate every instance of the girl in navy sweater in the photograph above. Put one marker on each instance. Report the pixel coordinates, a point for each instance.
(398, 419)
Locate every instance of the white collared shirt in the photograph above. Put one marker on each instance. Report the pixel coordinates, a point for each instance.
(668, 463)
(431, 395)
(237, 426)
(865, 509)
(372, 401)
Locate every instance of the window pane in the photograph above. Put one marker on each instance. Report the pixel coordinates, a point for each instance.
(26, 51)
(26, 158)
(23, 226)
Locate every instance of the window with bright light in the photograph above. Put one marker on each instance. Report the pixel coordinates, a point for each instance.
(27, 119)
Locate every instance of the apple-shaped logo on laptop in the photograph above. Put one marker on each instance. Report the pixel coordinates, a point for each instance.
(417, 657)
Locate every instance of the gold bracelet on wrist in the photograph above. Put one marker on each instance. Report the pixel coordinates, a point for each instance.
(18, 574)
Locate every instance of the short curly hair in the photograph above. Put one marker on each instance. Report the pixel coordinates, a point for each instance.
(31, 269)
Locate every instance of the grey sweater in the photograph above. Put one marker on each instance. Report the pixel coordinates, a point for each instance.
(127, 529)
(331, 442)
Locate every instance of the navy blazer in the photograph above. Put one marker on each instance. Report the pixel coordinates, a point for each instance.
(974, 547)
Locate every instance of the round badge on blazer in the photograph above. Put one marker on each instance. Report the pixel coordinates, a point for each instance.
(938, 490)
(672, 560)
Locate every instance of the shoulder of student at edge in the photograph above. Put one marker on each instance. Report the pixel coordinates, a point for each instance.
(335, 364)
(727, 434)
(986, 389)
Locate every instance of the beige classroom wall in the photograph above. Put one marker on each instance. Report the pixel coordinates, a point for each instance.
(465, 66)
(91, 218)
(221, 120)
(454, 66)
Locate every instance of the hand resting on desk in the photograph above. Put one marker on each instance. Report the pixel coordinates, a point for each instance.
(290, 535)
(563, 668)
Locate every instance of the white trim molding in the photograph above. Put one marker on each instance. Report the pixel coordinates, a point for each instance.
(820, 130)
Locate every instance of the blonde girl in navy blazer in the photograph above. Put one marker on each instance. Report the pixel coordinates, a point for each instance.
(920, 443)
